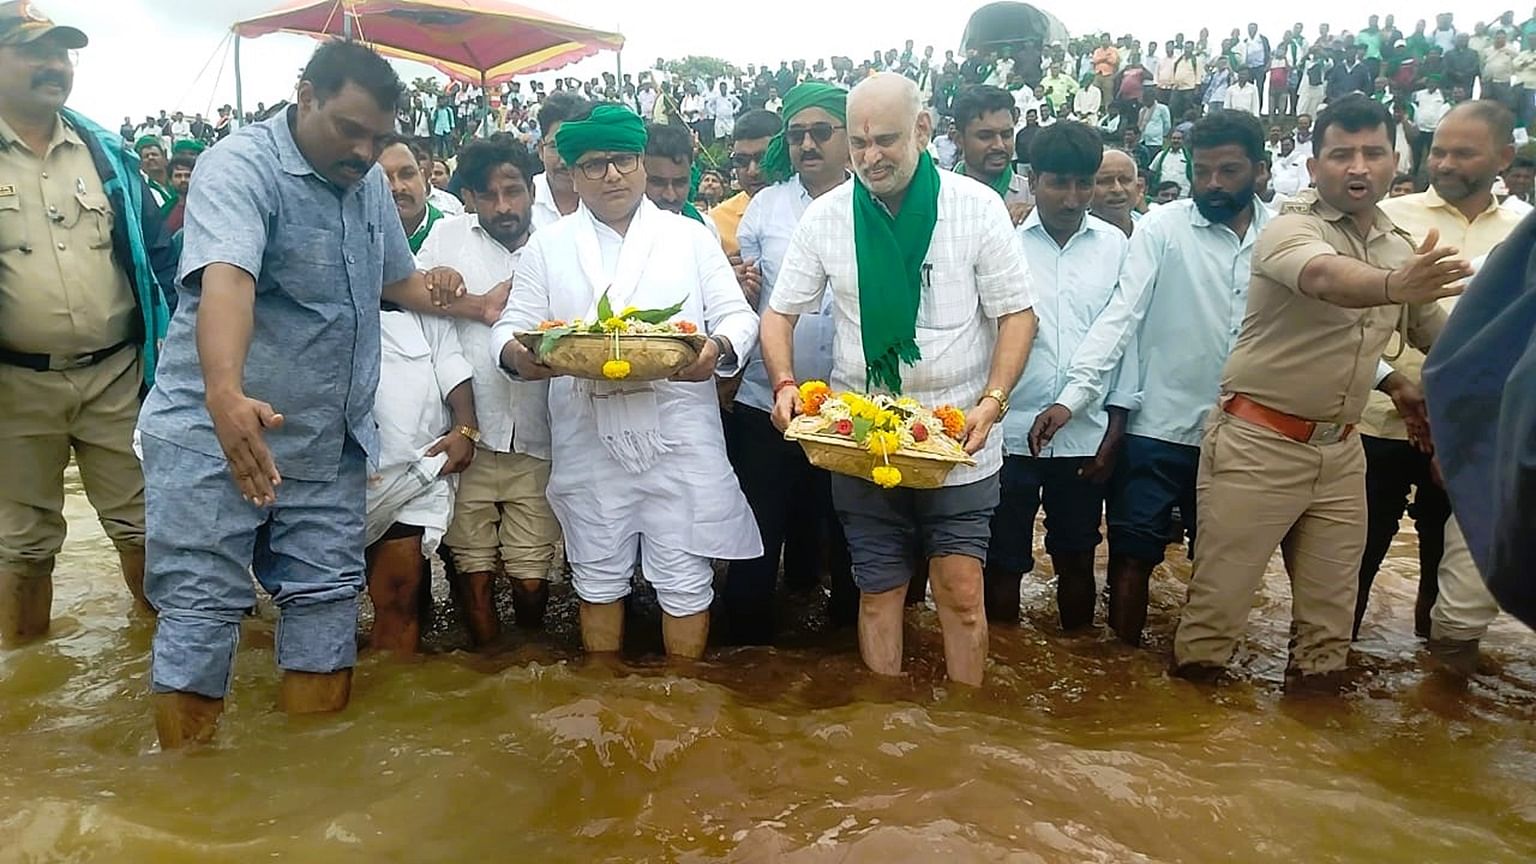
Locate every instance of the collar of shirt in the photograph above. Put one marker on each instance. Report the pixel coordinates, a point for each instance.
(63, 133)
(1433, 199)
(289, 156)
(1383, 223)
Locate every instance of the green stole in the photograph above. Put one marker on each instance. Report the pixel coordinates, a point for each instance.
(889, 252)
(420, 235)
(692, 212)
(1001, 185)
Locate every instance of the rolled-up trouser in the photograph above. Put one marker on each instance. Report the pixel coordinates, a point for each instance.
(683, 581)
(43, 417)
(415, 495)
(1464, 608)
(204, 541)
(1259, 491)
(500, 508)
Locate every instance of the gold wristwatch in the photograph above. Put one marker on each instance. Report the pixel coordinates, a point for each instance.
(1002, 401)
(469, 432)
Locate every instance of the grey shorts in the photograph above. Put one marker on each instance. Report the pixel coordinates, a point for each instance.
(888, 529)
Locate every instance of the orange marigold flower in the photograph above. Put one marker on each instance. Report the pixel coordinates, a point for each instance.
(686, 327)
(812, 405)
(953, 420)
(550, 325)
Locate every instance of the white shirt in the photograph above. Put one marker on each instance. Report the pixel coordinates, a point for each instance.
(1429, 108)
(1244, 97)
(1182, 296)
(775, 105)
(1072, 283)
(514, 415)
(1025, 101)
(765, 231)
(446, 202)
(420, 362)
(545, 212)
(974, 274)
(1086, 104)
(1288, 175)
(647, 99)
(1516, 206)
(691, 108)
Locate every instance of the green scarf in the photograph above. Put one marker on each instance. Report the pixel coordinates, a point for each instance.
(776, 166)
(420, 236)
(1001, 185)
(692, 212)
(890, 253)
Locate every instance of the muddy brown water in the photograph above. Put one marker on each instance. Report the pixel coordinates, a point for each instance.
(1076, 750)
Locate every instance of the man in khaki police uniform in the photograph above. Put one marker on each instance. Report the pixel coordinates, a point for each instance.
(1471, 146)
(80, 312)
(1279, 464)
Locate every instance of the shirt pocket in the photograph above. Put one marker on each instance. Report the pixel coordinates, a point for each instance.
(13, 224)
(95, 222)
(308, 263)
(948, 297)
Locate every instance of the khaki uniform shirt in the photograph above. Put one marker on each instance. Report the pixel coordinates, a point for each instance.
(1416, 214)
(1305, 356)
(61, 291)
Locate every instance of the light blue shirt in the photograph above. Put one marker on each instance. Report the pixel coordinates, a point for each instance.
(1182, 294)
(764, 233)
(1158, 126)
(1073, 285)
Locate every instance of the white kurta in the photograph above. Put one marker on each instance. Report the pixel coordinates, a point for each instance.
(689, 500)
(420, 364)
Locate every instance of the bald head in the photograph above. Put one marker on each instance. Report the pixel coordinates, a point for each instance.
(888, 131)
(1115, 189)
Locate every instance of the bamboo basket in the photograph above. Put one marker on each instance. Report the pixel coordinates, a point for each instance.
(651, 358)
(919, 468)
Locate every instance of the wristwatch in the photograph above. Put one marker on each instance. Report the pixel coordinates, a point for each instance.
(469, 432)
(1002, 400)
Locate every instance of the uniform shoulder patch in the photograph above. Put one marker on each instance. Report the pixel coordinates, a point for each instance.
(1297, 207)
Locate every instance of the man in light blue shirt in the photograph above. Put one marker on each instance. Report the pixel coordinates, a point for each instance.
(1074, 259)
(791, 500)
(1181, 299)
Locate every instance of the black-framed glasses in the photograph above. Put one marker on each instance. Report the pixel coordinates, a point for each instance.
(597, 169)
(821, 133)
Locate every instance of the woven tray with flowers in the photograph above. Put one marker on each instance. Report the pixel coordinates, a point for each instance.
(633, 344)
(891, 441)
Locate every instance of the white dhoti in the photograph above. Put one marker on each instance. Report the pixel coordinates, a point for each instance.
(411, 494)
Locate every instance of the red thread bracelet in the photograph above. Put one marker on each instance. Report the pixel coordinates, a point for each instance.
(786, 382)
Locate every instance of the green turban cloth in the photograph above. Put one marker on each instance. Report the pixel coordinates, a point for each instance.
(812, 94)
(609, 127)
(188, 145)
(147, 141)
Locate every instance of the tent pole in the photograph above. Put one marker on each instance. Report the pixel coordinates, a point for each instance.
(346, 24)
(485, 106)
(239, 90)
(618, 58)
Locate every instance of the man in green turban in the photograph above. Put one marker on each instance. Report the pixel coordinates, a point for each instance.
(639, 473)
(930, 300)
(825, 108)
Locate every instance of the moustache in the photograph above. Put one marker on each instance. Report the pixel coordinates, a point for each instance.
(50, 77)
(357, 165)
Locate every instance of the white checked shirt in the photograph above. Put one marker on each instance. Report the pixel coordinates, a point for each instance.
(974, 274)
(514, 415)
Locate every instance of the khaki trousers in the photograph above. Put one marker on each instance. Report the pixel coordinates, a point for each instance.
(46, 415)
(500, 509)
(1464, 608)
(1258, 490)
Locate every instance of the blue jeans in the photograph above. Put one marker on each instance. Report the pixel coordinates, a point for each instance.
(1151, 479)
(1073, 507)
(203, 541)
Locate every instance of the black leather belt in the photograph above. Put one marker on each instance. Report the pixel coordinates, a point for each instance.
(58, 362)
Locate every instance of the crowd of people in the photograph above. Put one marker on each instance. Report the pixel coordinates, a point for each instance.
(297, 358)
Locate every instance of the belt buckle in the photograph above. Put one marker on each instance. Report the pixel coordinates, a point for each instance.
(58, 363)
(1326, 433)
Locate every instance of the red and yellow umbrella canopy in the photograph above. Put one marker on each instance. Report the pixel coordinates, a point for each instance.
(470, 40)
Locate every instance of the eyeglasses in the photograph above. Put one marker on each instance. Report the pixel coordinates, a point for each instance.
(821, 133)
(745, 160)
(597, 169)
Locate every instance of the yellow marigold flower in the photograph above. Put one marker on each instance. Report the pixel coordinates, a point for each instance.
(886, 476)
(616, 369)
(615, 324)
(883, 443)
(810, 389)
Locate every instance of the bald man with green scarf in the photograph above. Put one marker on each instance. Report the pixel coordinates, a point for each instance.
(639, 473)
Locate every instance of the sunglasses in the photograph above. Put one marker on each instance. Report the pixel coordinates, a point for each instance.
(821, 133)
(597, 169)
(745, 160)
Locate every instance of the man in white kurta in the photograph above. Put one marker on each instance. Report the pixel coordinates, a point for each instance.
(640, 473)
(422, 444)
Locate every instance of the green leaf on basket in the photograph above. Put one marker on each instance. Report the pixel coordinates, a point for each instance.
(552, 336)
(861, 428)
(604, 308)
(656, 316)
